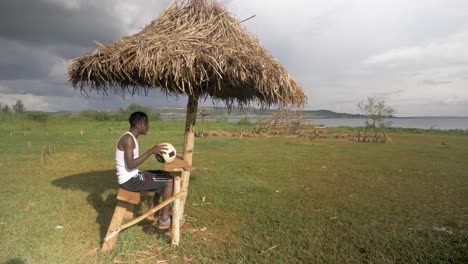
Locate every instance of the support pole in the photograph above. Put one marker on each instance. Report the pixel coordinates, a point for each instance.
(189, 141)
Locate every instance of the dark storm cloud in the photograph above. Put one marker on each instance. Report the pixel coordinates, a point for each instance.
(37, 87)
(44, 23)
(36, 35)
(22, 62)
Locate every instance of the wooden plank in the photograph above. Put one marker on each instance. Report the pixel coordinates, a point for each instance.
(178, 165)
(115, 223)
(128, 196)
(129, 212)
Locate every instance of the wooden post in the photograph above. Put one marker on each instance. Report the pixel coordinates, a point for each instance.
(189, 140)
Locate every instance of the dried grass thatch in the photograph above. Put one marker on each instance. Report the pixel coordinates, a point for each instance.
(195, 48)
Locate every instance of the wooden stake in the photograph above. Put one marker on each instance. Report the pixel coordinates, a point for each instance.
(389, 139)
(43, 154)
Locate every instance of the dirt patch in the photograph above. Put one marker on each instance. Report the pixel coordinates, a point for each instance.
(230, 133)
(309, 134)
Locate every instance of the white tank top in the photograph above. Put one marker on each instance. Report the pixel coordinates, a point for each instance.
(123, 172)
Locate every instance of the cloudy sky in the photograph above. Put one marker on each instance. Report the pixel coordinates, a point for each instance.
(412, 54)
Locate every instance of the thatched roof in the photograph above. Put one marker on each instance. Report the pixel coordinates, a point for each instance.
(193, 47)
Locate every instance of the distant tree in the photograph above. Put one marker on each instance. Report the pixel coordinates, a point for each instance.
(18, 107)
(6, 109)
(375, 112)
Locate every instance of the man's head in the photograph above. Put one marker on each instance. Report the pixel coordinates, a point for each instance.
(139, 121)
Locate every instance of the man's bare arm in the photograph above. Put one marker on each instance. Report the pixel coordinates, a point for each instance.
(128, 146)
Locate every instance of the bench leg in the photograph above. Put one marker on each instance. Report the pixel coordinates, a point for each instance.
(129, 212)
(176, 214)
(117, 218)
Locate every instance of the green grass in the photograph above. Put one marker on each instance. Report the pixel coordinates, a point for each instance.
(267, 200)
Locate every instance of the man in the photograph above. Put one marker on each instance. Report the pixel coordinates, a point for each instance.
(128, 159)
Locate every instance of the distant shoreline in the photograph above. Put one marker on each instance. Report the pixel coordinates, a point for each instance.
(259, 113)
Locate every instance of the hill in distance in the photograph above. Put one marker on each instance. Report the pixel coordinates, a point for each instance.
(248, 111)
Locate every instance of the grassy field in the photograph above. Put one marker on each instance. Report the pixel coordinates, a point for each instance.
(251, 200)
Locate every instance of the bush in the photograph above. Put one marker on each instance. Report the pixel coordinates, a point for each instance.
(221, 119)
(244, 121)
(121, 114)
(95, 115)
(124, 114)
(37, 116)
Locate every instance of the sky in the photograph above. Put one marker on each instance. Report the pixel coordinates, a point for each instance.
(411, 54)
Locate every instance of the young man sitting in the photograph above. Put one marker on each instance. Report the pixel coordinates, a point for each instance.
(128, 159)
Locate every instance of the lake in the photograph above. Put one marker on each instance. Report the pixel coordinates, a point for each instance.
(443, 123)
(403, 122)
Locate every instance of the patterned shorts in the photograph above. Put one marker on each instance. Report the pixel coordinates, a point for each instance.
(154, 181)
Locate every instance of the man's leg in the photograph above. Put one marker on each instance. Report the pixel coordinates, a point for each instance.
(154, 203)
(166, 195)
(163, 183)
(160, 182)
(156, 199)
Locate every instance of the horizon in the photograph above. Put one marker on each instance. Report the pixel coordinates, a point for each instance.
(224, 108)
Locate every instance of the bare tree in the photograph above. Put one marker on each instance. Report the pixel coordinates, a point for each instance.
(376, 111)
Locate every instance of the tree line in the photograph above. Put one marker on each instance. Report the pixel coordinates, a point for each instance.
(121, 114)
(17, 108)
(376, 111)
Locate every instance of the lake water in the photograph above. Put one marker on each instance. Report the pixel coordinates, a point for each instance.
(404, 122)
(443, 123)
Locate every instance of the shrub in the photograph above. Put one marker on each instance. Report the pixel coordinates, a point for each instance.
(244, 121)
(37, 116)
(124, 114)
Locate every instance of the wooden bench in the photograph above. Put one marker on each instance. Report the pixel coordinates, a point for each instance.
(126, 200)
(123, 210)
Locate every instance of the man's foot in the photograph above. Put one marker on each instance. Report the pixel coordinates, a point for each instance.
(156, 216)
(164, 225)
(153, 217)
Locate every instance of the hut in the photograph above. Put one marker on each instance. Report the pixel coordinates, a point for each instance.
(194, 48)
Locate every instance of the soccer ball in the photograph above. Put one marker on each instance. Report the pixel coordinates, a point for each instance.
(170, 154)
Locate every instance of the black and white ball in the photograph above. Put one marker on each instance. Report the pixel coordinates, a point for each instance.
(170, 154)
